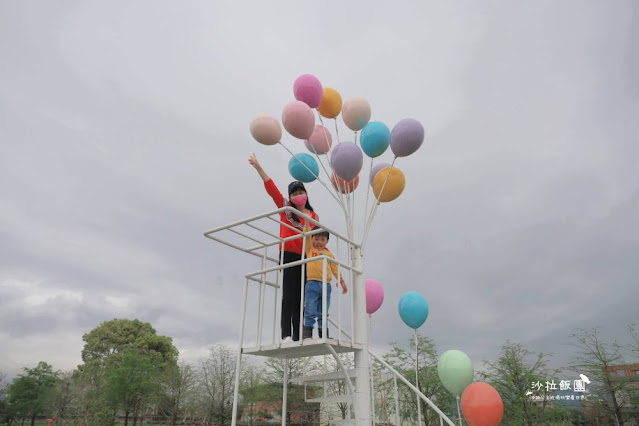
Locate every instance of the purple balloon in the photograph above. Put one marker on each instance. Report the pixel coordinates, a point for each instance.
(347, 160)
(376, 169)
(407, 136)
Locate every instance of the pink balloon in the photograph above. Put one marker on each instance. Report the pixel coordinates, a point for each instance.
(308, 89)
(298, 119)
(320, 141)
(374, 295)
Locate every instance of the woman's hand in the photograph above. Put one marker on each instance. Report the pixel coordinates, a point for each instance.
(256, 165)
(253, 162)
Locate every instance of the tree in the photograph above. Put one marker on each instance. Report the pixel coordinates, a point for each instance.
(594, 359)
(29, 394)
(129, 382)
(218, 379)
(253, 391)
(64, 396)
(512, 375)
(429, 383)
(115, 353)
(4, 383)
(176, 386)
(109, 340)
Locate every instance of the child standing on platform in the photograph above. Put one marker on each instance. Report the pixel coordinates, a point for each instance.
(315, 245)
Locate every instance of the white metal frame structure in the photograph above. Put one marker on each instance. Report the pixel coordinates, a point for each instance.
(254, 236)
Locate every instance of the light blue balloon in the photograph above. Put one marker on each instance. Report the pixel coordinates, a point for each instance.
(375, 138)
(413, 309)
(303, 167)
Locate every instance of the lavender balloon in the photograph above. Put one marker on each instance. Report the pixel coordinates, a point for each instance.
(407, 136)
(347, 160)
(376, 169)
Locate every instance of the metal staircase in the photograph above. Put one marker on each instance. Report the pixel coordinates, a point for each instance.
(255, 236)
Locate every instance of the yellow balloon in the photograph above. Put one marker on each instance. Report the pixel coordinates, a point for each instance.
(331, 104)
(394, 185)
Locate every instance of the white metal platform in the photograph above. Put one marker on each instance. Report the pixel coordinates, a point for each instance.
(255, 236)
(306, 348)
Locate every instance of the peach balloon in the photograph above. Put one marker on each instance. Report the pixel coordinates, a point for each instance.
(266, 129)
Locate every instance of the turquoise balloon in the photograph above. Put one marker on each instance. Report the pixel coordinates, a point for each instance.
(413, 309)
(375, 138)
(303, 167)
(455, 370)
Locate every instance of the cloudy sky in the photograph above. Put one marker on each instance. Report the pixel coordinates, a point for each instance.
(124, 136)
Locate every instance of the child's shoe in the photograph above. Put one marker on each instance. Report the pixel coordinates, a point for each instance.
(307, 333)
(287, 339)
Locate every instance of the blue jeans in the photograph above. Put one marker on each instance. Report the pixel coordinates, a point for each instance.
(313, 302)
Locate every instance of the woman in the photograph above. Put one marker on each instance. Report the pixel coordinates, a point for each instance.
(292, 279)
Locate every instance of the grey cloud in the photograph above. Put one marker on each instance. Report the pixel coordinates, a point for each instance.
(125, 136)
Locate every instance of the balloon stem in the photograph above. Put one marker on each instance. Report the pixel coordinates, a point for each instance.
(419, 405)
(459, 413)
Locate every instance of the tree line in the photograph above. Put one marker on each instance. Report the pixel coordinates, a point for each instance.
(129, 374)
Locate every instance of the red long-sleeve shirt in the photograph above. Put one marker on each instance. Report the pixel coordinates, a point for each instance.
(294, 246)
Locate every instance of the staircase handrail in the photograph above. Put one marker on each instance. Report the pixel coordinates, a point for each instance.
(398, 375)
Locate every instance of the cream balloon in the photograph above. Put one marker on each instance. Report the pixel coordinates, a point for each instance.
(266, 129)
(356, 113)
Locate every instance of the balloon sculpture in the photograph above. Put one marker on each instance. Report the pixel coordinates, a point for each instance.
(345, 160)
(481, 404)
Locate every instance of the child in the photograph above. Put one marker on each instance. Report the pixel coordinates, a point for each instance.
(315, 245)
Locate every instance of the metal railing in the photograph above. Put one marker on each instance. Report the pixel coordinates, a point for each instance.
(270, 271)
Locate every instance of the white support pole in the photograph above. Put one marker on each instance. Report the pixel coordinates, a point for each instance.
(362, 360)
(302, 295)
(419, 404)
(284, 392)
(339, 301)
(238, 362)
(370, 338)
(279, 294)
(324, 315)
(397, 419)
(260, 314)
